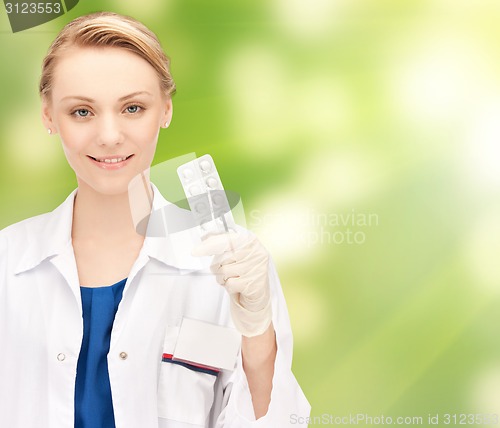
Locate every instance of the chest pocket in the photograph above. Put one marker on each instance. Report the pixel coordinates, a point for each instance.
(185, 391)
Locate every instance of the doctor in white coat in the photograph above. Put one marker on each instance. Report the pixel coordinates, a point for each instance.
(91, 310)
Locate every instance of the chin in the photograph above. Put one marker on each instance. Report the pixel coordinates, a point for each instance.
(105, 187)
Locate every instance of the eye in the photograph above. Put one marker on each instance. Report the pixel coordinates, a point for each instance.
(133, 109)
(81, 112)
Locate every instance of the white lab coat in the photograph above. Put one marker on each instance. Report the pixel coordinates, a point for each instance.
(41, 330)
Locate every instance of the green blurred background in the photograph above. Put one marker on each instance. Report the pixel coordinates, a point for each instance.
(364, 138)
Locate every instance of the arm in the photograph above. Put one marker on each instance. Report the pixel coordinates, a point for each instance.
(259, 355)
(262, 391)
(287, 401)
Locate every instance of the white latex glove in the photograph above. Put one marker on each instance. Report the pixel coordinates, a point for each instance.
(240, 264)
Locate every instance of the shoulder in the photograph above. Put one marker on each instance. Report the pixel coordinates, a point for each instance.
(16, 239)
(40, 222)
(22, 228)
(36, 236)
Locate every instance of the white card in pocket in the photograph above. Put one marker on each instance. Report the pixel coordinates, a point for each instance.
(207, 344)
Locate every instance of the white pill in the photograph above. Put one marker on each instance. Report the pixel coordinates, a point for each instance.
(187, 173)
(201, 208)
(211, 182)
(205, 166)
(217, 200)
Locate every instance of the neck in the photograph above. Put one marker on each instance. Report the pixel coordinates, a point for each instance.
(112, 218)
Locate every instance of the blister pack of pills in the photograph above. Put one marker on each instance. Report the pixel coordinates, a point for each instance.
(206, 196)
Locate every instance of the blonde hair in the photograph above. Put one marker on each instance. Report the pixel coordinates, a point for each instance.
(107, 29)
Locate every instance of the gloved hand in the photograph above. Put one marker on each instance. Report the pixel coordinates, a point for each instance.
(240, 264)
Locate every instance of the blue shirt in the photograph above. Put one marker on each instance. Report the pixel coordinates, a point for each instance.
(93, 401)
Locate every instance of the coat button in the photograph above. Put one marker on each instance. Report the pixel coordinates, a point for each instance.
(61, 357)
(123, 355)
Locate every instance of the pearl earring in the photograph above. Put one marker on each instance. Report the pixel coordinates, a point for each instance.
(49, 131)
(167, 124)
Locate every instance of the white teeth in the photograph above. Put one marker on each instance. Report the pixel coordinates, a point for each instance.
(115, 160)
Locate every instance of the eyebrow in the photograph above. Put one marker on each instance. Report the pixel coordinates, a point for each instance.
(90, 100)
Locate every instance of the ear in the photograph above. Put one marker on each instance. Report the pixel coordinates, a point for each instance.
(167, 116)
(47, 117)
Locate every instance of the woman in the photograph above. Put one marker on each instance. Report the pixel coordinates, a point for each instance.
(91, 310)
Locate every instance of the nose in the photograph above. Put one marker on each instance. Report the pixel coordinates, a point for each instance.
(109, 131)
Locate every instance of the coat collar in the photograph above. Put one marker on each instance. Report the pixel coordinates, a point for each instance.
(49, 234)
(38, 238)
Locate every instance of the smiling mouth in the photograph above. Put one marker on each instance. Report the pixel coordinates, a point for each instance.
(111, 159)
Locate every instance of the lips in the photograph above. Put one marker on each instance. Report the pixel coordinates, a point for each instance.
(111, 163)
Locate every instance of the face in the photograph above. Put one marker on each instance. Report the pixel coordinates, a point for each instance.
(107, 106)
